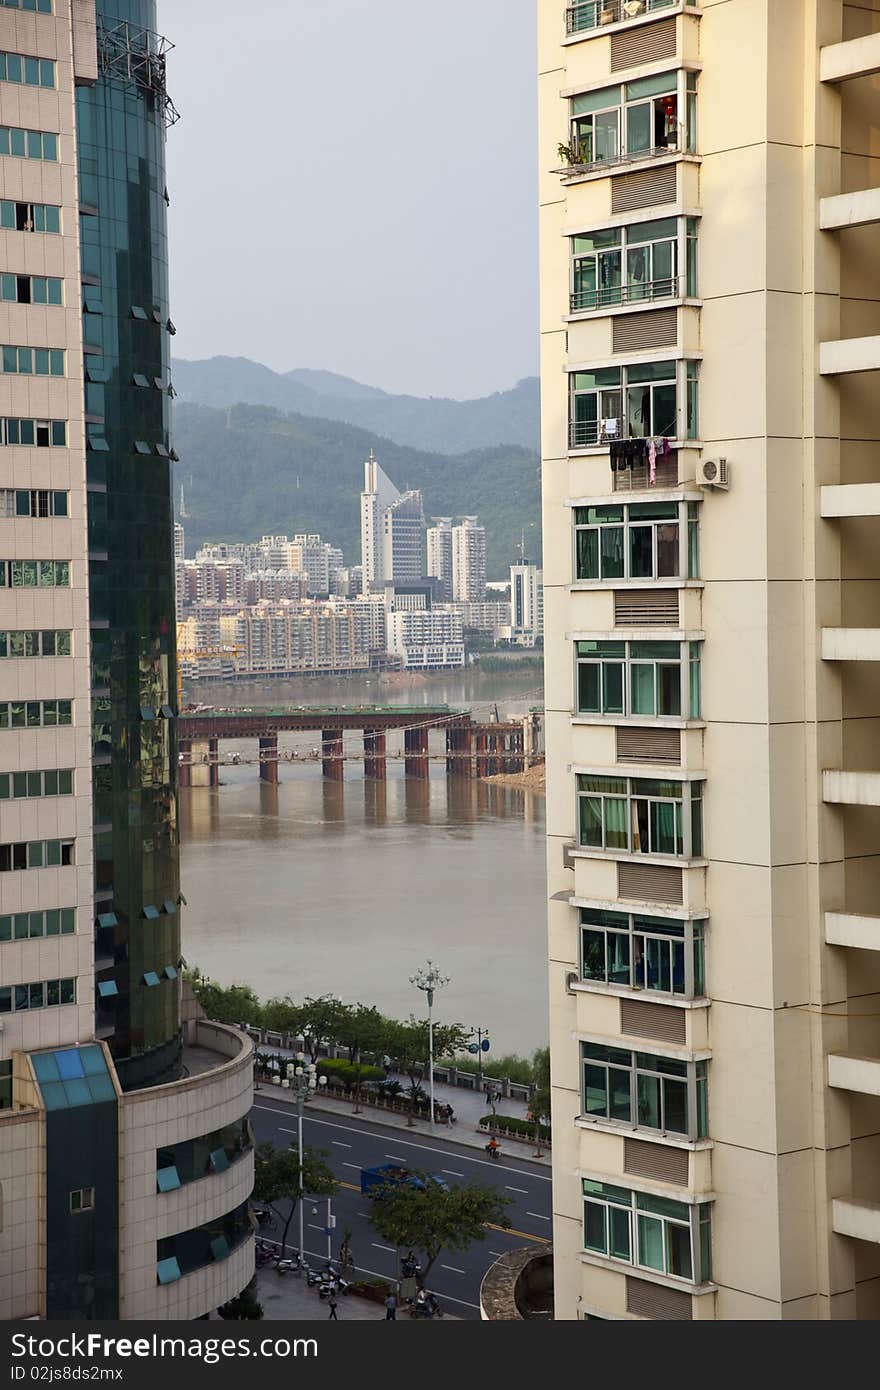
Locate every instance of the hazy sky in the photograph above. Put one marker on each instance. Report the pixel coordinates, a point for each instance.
(353, 187)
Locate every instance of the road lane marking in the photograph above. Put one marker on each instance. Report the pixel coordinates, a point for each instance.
(340, 1143)
(396, 1157)
(448, 1297)
(539, 1215)
(496, 1253)
(351, 1165)
(313, 1227)
(407, 1144)
(523, 1190)
(453, 1269)
(452, 1173)
(390, 1248)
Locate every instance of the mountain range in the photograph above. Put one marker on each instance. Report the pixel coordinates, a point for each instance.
(433, 424)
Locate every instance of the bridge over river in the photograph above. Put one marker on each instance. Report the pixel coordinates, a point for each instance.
(469, 748)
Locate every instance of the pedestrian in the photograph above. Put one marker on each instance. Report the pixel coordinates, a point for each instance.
(391, 1307)
(386, 1063)
(333, 1300)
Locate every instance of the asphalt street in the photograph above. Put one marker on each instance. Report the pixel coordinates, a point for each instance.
(352, 1144)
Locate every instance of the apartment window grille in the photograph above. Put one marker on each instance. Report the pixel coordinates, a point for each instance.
(650, 116)
(651, 680)
(35, 574)
(30, 72)
(35, 854)
(35, 714)
(593, 14)
(33, 434)
(657, 954)
(639, 401)
(637, 540)
(46, 642)
(29, 144)
(655, 1233)
(640, 815)
(29, 217)
(644, 1091)
(633, 265)
(44, 994)
(26, 361)
(26, 926)
(30, 289)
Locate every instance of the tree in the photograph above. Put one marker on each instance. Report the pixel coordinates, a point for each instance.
(245, 1306)
(436, 1219)
(225, 1004)
(408, 1045)
(321, 1021)
(276, 1180)
(539, 1106)
(363, 1030)
(283, 1016)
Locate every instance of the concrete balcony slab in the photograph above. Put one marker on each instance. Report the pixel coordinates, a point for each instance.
(848, 929)
(861, 1220)
(849, 355)
(850, 499)
(850, 644)
(859, 209)
(854, 58)
(860, 1074)
(851, 788)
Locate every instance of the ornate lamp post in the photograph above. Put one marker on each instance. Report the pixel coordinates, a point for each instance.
(429, 981)
(304, 1081)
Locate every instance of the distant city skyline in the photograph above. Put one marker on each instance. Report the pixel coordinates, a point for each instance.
(370, 229)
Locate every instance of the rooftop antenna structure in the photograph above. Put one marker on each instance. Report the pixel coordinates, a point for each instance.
(182, 512)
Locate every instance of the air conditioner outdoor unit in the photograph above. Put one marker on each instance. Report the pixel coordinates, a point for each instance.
(713, 473)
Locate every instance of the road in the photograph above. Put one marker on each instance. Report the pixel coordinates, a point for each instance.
(352, 1144)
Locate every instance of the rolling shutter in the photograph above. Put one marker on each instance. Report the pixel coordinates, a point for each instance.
(646, 607)
(646, 44)
(654, 1301)
(649, 883)
(655, 1161)
(636, 745)
(643, 1020)
(639, 332)
(648, 188)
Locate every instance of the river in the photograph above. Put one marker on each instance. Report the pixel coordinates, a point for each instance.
(312, 886)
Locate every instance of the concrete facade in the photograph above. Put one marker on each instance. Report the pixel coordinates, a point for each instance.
(711, 125)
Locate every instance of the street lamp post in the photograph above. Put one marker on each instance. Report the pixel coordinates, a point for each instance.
(480, 1034)
(429, 981)
(304, 1081)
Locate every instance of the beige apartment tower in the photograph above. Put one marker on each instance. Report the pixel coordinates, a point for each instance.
(710, 318)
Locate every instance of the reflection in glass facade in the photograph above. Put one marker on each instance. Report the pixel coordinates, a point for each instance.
(126, 328)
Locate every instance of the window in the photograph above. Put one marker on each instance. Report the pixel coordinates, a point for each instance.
(644, 1091)
(640, 815)
(35, 854)
(648, 1232)
(24, 926)
(29, 217)
(202, 1245)
(17, 786)
(640, 401)
(5, 1085)
(82, 1199)
(627, 265)
(35, 714)
(28, 144)
(45, 994)
(35, 574)
(38, 6)
(589, 14)
(32, 72)
(30, 289)
(34, 434)
(34, 501)
(632, 121)
(192, 1159)
(639, 540)
(639, 952)
(652, 680)
(25, 361)
(45, 643)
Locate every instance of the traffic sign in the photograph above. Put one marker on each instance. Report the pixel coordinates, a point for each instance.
(485, 1044)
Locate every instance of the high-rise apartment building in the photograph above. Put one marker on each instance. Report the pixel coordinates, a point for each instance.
(526, 603)
(109, 1203)
(469, 561)
(440, 554)
(392, 530)
(710, 324)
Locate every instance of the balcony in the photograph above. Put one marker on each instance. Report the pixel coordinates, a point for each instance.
(839, 62)
(850, 929)
(850, 499)
(588, 434)
(861, 1074)
(851, 788)
(850, 644)
(598, 14)
(578, 161)
(861, 1220)
(624, 296)
(846, 355)
(860, 209)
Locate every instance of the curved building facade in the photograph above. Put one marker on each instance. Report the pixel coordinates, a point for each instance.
(125, 1154)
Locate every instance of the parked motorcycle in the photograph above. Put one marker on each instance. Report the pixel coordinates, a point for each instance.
(425, 1306)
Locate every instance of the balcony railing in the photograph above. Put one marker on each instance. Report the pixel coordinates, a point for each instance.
(574, 163)
(613, 296)
(583, 434)
(638, 478)
(595, 14)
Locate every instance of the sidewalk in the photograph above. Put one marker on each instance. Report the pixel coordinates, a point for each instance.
(289, 1297)
(469, 1107)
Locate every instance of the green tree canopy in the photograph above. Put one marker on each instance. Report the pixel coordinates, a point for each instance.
(434, 1219)
(225, 1003)
(408, 1044)
(320, 1022)
(276, 1180)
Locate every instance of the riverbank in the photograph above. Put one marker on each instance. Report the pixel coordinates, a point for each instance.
(532, 780)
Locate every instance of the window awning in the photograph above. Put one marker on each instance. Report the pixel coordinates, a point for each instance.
(151, 911)
(167, 1179)
(107, 988)
(108, 919)
(150, 978)
(167, 1271)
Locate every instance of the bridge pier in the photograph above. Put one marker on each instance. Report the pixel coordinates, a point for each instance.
(269, 758)
(331, 754)
(184, 771)
(459, 752)
(415, 753)
(204, 766)
(374, 755)
(482, 760)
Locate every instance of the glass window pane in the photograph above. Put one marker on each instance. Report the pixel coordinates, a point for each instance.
(593, 955)
(607, 124)
(641, 682)
(667, 551)
(619, 1233)
(648, 1094)
(678, 1240)
(612, 687)
(664, 411)
(591, 821)
(657, 965)
(638, 128)
(669, 689)
(618, 958)
(650, 1236)
(620, 1085)
(595, 1090)
(612, 552)
(641, 552)
(675, 1110)
(615, 824)
(594, 1228)
(587, 554)
(665, 828)
(588, 687)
